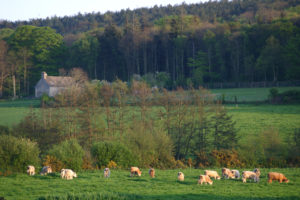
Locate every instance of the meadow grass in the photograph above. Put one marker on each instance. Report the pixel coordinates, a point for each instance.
(250, 119)
(253, 119)
(12, 112)
(92, 185)
(245, 95)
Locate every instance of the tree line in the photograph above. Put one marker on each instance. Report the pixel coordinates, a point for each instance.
(99, 124)
(217, 41)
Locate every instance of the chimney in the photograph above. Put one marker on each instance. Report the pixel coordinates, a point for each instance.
(44, 75)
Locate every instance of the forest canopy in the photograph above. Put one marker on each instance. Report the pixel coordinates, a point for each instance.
(188, 44)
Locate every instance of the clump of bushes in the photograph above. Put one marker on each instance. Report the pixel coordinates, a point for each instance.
(17, 153)
(104, 152)
(290, 96)
(70, 153)
(219, 158)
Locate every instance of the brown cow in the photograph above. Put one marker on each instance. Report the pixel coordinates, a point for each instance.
(212, 174)
(152, 172)
(180, 176)
(135, 171)
(30, 170)
(46, 170)
(106, 173)
(67, 174)
(204, 179)
(277, 176)
(249, 175)
(226, 173)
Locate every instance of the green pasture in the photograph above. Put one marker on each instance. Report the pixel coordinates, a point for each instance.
(120, 185)
(253, 119)
(12, 112)
(244, 95)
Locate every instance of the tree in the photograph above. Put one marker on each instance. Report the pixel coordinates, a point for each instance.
(199, 66)
(4, 71)
(36, 48)
(224, 131)
(270, 58)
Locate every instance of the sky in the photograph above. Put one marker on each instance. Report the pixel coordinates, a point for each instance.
(14, 10)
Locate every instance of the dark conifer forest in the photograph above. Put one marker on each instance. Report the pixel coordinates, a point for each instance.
(237, 42)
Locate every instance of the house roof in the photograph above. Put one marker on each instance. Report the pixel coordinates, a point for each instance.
(59, 81)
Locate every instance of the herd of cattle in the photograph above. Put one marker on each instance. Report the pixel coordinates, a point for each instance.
(203, 179)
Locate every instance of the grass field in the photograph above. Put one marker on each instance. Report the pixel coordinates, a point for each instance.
(120, 185)
(245, 95)
(250, 118)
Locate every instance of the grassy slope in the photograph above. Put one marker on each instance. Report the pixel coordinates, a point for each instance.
(251, 119)
(12, 112)
(164, 186)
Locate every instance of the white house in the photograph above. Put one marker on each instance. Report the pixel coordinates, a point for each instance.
(52, 85)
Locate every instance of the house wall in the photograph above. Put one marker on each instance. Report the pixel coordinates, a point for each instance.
(41, 88)
(55, 90)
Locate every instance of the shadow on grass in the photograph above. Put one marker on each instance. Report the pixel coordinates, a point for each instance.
(213, 196)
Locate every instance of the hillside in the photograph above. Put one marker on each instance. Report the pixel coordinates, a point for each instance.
(199, 44)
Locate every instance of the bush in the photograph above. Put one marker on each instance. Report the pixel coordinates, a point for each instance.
(290, 96)
(226, 158)
(70, 153)
(4, 130)
(17, 153)
(104, 152)
(55, 164)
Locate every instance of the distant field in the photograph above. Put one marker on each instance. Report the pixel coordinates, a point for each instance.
(12, 112)
(250, 119)
(248, 94)
(165, 186)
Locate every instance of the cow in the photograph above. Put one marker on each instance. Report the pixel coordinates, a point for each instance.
(212, 174)
(277, 177)
(205, 179)
(180, 176)
(46, 170)
(106, 173)
(257, 172)
(67, 174)
(135, 171)
(30, 170)
(226, 173)
(236, 173)
(152, 172)
(250, 175)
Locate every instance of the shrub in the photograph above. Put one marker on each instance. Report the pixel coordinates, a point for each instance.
(70, 153)
(17, 153)
(53, 162)
(112, 164)
(290, 96)
(226, 158)
(4, 130)
(104, 152)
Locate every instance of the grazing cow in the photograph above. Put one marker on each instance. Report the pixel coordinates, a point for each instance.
(212, 174)
(135, 171)
(152, 172)
(106, 173)
(30, 170)
(250, 175)
(67, 174)
(204, 179)
(46, 170)
(180, 176)
(277, 177)
(62, 173)
(257, 172)
(226, 173)
(236, 173)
